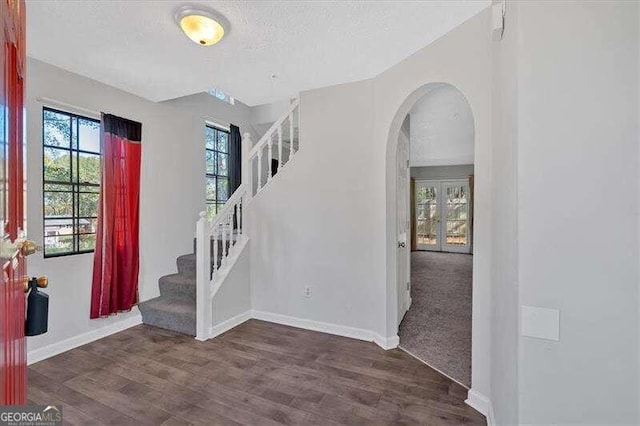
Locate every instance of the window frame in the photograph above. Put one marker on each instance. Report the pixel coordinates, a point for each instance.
(76, 187)
(218, 203)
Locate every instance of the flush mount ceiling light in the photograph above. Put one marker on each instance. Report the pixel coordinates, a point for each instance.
(202, 26)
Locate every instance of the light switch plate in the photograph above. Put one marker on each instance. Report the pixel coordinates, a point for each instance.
(541, 323)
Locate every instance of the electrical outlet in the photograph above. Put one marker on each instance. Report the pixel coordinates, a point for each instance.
(307, 291)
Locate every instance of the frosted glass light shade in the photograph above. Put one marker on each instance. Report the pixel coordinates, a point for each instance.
(200, 26)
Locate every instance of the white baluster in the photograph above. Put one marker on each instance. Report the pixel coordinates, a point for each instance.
(270, 157)
(280, 162)
(291, 147)
(203, 288)
(259, 170)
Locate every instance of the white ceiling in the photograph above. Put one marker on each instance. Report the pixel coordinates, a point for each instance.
(136, 46)
(441, 128)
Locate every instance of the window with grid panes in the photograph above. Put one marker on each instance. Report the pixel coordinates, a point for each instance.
(217, 166)
(71, 182)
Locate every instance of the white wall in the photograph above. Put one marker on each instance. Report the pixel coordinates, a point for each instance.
(172, 194)
(442, 172)
(442, 128)
(449, 59)
(563, 84)
(578, 155)
(263, 116)
(328, 220)
(254, 120)
(310, 226)
(504, 290)
(542, 100)
(234, 296)
(204, 106)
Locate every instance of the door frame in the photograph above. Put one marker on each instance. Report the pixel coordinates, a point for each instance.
(403, 227)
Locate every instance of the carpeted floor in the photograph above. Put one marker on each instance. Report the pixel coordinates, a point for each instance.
(437, 327)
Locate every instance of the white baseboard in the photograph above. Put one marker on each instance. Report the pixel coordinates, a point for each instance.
(386, 343)
(82, 339)
(482, 404)
(227, 325)
(53, 349)
(491, 417)
(325, 327)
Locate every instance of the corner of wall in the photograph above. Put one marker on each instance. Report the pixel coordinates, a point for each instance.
(482, 404)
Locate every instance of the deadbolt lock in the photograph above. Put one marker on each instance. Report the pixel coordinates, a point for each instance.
(41, 282)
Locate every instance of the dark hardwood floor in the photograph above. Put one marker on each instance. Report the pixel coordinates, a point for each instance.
(258, 373)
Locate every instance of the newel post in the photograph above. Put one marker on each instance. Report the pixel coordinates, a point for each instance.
(203, 285)
(247, 164)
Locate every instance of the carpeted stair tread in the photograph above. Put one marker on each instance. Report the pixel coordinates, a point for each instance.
(178, 287)
(175, 309)
(169, 314)
(187, 265)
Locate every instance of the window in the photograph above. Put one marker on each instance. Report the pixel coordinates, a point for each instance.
(217, 158)
(71, 182)
(224, 97)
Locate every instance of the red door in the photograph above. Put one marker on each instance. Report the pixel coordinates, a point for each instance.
(13, 351)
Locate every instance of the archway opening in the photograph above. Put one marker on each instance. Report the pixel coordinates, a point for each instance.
(434, 228)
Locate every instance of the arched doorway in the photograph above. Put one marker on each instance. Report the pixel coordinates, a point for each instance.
(439, 101)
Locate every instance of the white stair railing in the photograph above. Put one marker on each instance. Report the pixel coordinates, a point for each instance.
(219, 242)
(216, 245)
(282, 134)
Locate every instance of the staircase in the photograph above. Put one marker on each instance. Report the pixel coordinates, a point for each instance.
(186, 299)
(175, 309)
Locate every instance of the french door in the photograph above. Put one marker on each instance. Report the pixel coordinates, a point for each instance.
(443, 215)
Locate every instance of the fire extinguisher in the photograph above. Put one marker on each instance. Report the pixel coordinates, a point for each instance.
(37, 308)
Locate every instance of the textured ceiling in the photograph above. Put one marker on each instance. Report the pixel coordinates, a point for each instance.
(136, 46)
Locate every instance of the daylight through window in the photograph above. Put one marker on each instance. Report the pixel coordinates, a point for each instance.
(224, 97)
(217, 166)
(71, 159)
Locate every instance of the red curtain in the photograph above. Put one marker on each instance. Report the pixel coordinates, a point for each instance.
(116, 258)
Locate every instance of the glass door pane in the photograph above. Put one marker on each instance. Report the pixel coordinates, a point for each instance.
(427, 217)
(456, 216)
